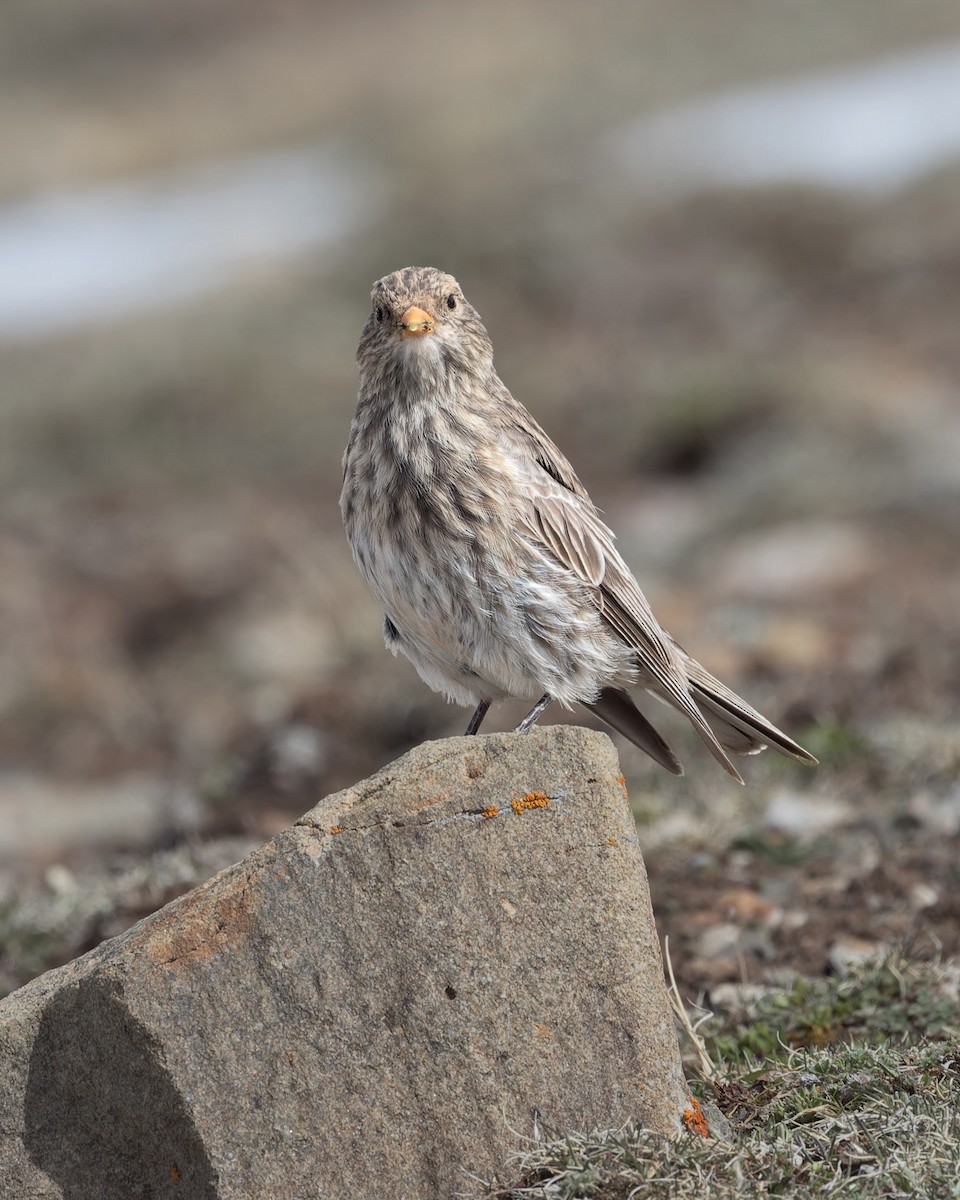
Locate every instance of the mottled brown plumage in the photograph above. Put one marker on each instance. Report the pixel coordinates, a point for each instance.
(494, 571)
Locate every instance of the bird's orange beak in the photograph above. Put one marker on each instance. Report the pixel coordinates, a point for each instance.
(415, 322)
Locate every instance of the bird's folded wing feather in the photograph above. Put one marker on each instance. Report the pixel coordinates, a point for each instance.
(738, 726)
(571, 529)
(559, 514)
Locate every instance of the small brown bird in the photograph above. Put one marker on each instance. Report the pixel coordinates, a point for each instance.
(494, 571)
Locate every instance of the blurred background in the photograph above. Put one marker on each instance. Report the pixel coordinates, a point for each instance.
(718, 249)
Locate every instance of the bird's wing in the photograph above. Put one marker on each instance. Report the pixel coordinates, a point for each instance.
(568, 534)
(559, 514)
(527, 439)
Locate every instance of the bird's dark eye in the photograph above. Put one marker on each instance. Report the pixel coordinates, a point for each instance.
(378, 312)
(451, 301)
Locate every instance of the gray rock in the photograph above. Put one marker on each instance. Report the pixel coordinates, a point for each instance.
(384, 1000)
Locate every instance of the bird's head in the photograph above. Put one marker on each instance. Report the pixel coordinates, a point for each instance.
(420, 326)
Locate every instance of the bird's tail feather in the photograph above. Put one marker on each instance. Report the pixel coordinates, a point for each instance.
(617, 708)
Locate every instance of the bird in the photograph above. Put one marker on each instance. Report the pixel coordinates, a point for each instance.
(494, 570)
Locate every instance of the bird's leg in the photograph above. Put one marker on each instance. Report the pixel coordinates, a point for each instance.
(535, 713)
(477, 719)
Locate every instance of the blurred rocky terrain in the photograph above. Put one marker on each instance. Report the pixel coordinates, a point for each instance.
(760, 387)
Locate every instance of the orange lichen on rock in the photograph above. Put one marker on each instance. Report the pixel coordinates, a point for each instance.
(201, 925)
(694, 1119)
(612, 841)
(489, 812)
(622, 780)
(530, 800)
(336, 829)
